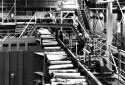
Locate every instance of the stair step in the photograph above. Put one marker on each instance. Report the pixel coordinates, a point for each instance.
(62, 66)
(50, 44)
(56, 57)
(68, 80)
(56, 53)
(60, 62)
(48, 41)
(69, 83)
(54, 50)
(48, 48)
(63, 71)
(69, 77)
(66, 74)
(47, 36)
(44, 31)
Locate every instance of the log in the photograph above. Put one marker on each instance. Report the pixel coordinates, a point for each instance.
(47, 41)
(70, 77)
(47, 36)
(68, 80)
(63, 66)
(63, 71)
(66, 74)
(68, 83)
(44, 31)
(56, 47)
(56, 57)
(56, 53)
(39, 73)
(60, 62)
(50, 44)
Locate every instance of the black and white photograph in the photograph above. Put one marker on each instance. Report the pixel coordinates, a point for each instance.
(62, 42)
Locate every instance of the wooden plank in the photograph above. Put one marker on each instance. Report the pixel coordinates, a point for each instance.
(40, 53)
(63, 66)
(63, 71)
(69, 83)
(50, 44)
(47, 36)
(60, 62)
(55, 47)
(66, 74)
(39, 73)
(56, 57)
(56, 53)
(44, 31)
(47, 40)
(70, 77)
(68, 80)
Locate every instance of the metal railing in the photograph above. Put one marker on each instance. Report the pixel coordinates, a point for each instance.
(9, 15)
(30, 22)
(91, 77)
(120, 67)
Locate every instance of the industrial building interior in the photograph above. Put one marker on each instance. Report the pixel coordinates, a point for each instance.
(62, 42)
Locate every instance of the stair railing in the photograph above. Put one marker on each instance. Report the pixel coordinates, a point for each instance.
(2, 40)
(30, 22)
(9, 12)
(83, 7)
(120, 22)
(119, 71)
(84, 31)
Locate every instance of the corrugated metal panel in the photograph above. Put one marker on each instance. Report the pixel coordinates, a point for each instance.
(2, 68)
(22, 64)
(28, 68)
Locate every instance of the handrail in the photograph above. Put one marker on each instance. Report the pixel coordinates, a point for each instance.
(34, 16)
(9, 12)
(113, 61)
(85, 32)
(121, 52)
(90, 75)
(3, 40)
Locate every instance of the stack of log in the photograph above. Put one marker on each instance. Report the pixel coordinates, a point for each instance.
(60, 66)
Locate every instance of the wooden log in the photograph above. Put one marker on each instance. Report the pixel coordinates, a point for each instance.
(56, 57)
(39, 73)
(60, 62)
(68, 80)
(53, 50)
(50, 44)
(56, 53)
(66, 74)
(57, 47)
(63, 66)
(63, 71)
(47, 36)
(68, 83)
(70, 77)
(48, 41)
(44, 31)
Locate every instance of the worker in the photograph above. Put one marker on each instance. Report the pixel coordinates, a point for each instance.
(12, 17)
(61, 35)
(81, 44)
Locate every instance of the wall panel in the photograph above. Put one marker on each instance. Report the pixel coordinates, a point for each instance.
(21, 64)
